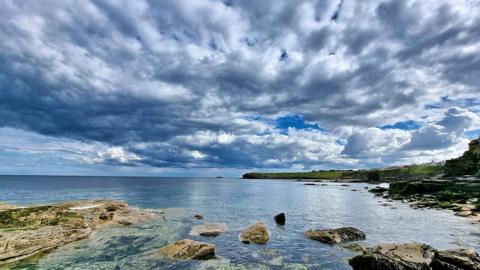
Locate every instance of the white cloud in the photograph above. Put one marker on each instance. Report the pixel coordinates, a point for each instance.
(190, 83)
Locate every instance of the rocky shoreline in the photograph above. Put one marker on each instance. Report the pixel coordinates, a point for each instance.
(460, 196)
(29, 231)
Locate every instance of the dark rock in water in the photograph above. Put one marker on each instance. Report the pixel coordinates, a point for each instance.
(411, 256)
(188, 250)
(334, 236)
(376, 262)
(345, 185)
(460, 259)
(378, 190)
(199, 216)
(280, 219)
(309, 184)
(257, 233)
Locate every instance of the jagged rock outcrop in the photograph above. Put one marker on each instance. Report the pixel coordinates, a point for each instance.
(335, 236)
(28, 231)
(415, 256)
(187, 249)
(458, 259)
(467, 164)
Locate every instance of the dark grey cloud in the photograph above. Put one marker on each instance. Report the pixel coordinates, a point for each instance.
(139, 76)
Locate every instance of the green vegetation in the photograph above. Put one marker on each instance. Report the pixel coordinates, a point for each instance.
(446, 193)
(30, 217)
(467, 164)
(296, 175)
(415, 172)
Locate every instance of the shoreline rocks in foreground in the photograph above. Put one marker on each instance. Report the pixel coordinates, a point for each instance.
(187, 249)
(336, 236)
(28, 231)
(256, 233)
(415, 256)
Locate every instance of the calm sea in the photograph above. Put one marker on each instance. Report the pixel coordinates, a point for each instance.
(238, 203)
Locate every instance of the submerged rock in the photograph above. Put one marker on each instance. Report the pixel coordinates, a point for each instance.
(256, 233)
(335, 236)
(269, 256)
(187, 249)
(280, 219)
(209, 229)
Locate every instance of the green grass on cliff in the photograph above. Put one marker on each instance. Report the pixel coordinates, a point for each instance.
(297, 175)
(421, 169)
(405, 172)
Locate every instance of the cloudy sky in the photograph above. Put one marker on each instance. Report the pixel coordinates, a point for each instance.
(204, 87)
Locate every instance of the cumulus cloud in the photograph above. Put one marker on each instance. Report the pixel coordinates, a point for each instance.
(200, 84)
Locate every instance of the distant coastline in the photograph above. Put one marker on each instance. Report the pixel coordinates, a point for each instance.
(467, 165)
(411, 172)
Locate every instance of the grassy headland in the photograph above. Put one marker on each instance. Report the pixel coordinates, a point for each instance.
(413, 172)
(467, 164)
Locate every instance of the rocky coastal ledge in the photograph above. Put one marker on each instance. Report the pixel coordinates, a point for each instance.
(461, 196)
(415, 256)
(29, 231)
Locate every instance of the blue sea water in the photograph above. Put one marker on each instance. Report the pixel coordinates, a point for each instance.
(238, 203)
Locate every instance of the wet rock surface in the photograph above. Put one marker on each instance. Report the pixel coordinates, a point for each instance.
(28, 231)
(457, 259)
(355, 247)
(256, 233)
(335, 236)
(187, 249)
(454, 194)
(415, 256)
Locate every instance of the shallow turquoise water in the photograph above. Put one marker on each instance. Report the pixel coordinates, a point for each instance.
(238, 203)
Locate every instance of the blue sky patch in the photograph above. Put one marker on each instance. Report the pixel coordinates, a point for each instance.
(404, 125)
(295, 121)
(473, 134)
